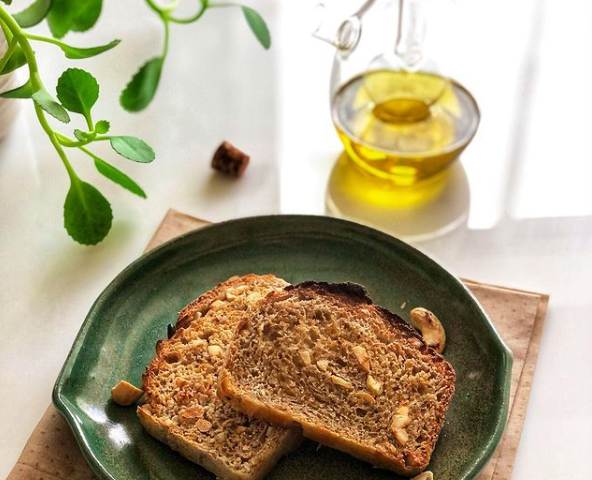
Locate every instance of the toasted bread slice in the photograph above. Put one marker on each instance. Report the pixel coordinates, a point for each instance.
(182, 409)
(353, 375)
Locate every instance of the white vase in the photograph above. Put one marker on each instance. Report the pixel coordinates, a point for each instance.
(8, 106)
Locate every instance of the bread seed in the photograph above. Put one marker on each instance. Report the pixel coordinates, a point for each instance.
(206, 333)
(203, 425)
(221, 437)
(215, 351)
(172, 357)
(241, 429)
(192, 412)
(217, 304)
(253, 297)
(340, 381)
(230, 295)
(170, 330)
(401, 436)
(398, 424)
(124, 393)
(401, 418)
(323, 365)
(362, 357)
(373, 385)
(365, 397)
(305, 356)
(390, 448)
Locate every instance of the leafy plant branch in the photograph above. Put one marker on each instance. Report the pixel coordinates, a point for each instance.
(142, 88)
(87, 213)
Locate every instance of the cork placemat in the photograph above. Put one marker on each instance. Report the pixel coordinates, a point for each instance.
(52, 453)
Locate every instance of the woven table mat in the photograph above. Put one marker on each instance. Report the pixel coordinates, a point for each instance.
(52, 453)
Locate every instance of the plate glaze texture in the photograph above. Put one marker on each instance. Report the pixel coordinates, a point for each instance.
(118, 337)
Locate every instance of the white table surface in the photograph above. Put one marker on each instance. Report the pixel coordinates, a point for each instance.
(528, 63)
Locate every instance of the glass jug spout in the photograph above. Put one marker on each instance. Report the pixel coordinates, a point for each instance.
(408, 53)
(411, 33)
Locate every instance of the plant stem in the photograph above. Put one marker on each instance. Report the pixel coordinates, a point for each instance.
(21, 38)
(171, 6)
(164, 14)
(7, 33)
(204, 6)
(37, 84)
(165, 49)
(9, 51)
(89, 122)
(40, 38)
(90, 154)
(154, 6)
(223, 5)
(53, 138)
(67, 142)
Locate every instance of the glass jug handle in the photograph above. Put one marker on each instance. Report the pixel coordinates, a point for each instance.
(348, 33)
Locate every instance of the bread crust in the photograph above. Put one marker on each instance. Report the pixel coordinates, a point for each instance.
(207, 460)
(188, 314)
(351, 294)
(250, 406)
(161, 430)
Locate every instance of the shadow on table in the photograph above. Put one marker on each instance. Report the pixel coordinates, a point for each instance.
(425, 210)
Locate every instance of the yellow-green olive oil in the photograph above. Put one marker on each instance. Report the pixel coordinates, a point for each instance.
(404, 126)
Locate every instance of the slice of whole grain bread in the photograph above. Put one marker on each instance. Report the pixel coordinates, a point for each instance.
(353, 375)
(182, 408)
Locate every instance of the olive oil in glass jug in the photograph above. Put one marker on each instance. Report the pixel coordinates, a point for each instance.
(397, 116)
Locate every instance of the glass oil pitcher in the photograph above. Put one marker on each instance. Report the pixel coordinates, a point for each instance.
(398, 116)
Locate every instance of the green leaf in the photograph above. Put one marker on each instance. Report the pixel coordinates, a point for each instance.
(75, 15)
(258, 26)
(102, 126)
(16, 60)
(7, 2)
(81, 136)
(33, 14)
(87, 214)
(44, 99)
(118, 177)
(76, 53)
(141, 89)
(59, 18)
(24, 91)
(133, 148)
(88, 13)
(78, 91)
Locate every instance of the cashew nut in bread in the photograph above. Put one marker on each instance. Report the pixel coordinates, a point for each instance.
(430, 327)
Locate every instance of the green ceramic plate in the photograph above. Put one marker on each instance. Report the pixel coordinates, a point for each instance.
(118, 336)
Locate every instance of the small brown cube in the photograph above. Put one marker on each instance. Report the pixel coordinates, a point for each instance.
(230, 160)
